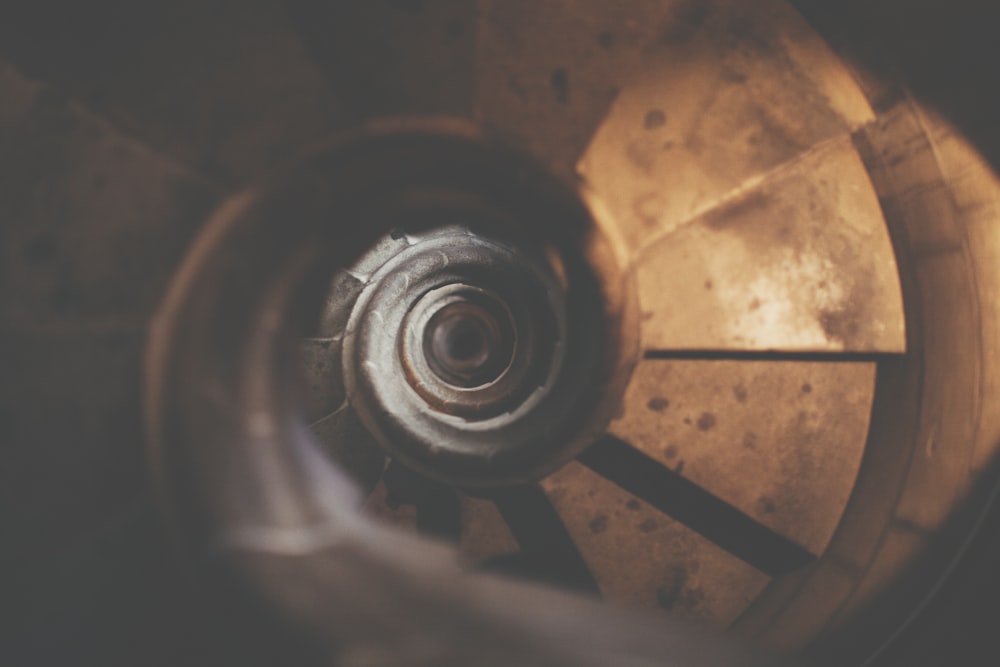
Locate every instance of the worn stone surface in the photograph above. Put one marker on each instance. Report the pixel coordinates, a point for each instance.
(781, 441)
(93, 222)
(323, 391)
(224, 87)
(927, 445)
(645, 559)
(730, 91)
(547, 72)
(906, 166)
(976, 192)
(801, 262)
(485, 534)
(392, 57)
